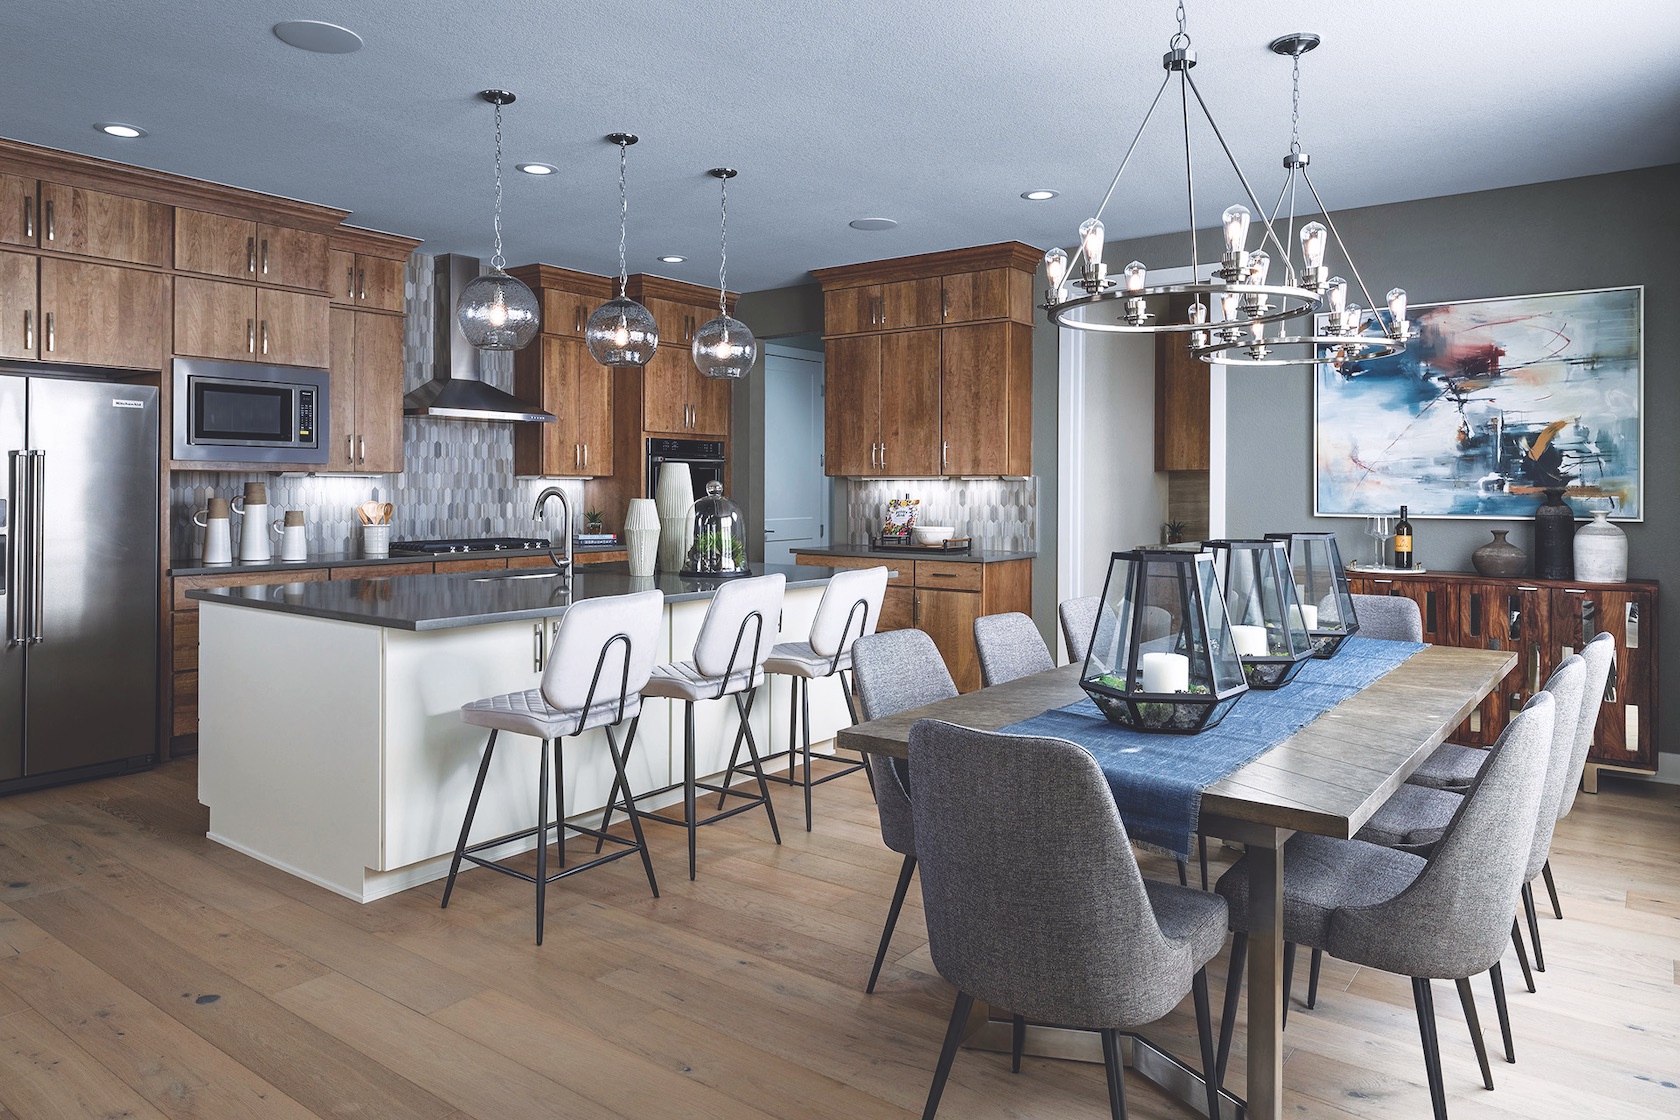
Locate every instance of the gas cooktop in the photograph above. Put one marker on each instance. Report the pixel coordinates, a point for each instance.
(467, 544)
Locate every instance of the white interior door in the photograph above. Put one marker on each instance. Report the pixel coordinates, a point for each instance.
(795, 489)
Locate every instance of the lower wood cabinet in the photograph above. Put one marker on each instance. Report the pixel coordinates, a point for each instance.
(943, 598)
(1545, 621)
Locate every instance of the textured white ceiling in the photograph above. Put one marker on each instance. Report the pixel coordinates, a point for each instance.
(935, 113)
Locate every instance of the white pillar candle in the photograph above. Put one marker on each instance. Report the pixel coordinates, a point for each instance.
(1250, 640)
(1165, 672)
(1304, 617)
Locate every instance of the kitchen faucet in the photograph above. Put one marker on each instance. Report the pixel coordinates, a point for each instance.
(565, 508)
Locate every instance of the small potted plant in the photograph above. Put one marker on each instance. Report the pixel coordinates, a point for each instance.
(1175, 532)
(592, 521)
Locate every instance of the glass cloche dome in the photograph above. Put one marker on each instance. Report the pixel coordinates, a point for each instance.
(720, 538)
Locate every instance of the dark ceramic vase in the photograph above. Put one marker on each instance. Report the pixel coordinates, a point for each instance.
(1554, 538)
(1499, 557)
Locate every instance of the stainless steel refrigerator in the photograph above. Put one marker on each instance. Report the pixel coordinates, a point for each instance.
(79, 586)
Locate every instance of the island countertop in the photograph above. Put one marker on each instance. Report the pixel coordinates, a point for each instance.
(901, 555)
(442, 602)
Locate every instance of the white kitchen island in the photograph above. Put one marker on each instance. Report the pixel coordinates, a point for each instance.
(330, 741)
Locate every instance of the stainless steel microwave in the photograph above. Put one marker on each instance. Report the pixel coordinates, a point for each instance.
(236, 412)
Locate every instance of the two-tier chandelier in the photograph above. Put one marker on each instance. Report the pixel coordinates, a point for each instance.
(1250, 303)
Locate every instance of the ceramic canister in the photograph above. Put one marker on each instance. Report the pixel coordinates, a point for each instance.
(1554, 530)
(1601, 551)
(675, 497)
(641, 535)
(253, 531)
(218, 534)
(294, 540)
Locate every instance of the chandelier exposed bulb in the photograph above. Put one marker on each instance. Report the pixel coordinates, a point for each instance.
(1056, 268)
(1236, 219)
(1337, 292)
(1091, 239)
(1135, 274)
(1397, 311)
(1314, 237)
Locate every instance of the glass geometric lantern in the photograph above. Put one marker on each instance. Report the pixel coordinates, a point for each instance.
(621, 332)
(1265, 612)
(1322, 586)
(1163, 658)
(720, 538)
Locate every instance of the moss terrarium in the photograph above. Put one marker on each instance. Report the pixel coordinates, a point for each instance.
(720, 544)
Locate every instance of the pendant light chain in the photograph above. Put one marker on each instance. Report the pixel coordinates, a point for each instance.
(1295, 108)
(723, 245)
(497, 260)
(623, 218)
(1182, 39)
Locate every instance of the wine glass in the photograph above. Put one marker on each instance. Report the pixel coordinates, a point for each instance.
(1379, 529)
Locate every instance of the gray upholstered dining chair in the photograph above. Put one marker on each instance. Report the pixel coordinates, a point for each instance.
(1393, 618)
(896, 671)
(1034, 900)
(1010, 647)
(1600, 654)
(1079, 624)
(1441, 918)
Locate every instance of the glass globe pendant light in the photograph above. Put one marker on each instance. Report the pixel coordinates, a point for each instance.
(497, 312)
(621, 332)
(724, 348)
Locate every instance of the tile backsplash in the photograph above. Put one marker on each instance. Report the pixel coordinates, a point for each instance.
(1001, 514)
(457, 479)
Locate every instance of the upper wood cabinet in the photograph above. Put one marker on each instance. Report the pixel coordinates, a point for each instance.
(19, 215)
(985, 392)
(102, 315)
(559, 374)
(677, 398)
(365, 430)
(112, 227)
(361, 280)
(567, 312)
(881, 405)
(217, 245)
(20, 309)
(966, 286)
(239, 322)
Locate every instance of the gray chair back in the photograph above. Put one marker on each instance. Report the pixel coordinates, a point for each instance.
(1391, 617)
(1032, 893)
(894, 672)
(1010, 647)
(1453, 920)
(1079, 623)
(1600, 654)
(1567, 685)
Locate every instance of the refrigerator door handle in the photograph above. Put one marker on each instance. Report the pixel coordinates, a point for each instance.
(17, 539)
(37, 545)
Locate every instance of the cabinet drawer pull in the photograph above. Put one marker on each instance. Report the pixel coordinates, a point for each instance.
(265, 256)
(51, 339)
(28, 330)
(251, 255)
(29, 216)
(52, 228)
(942, 575)
(250, 336)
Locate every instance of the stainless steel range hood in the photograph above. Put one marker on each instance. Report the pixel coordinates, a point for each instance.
(456, 390)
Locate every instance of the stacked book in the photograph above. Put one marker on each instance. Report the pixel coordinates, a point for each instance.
(593, 540)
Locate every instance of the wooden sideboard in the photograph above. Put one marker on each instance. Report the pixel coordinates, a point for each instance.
(1544, 621)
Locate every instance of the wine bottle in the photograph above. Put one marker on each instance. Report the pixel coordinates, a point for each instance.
(1403, 541)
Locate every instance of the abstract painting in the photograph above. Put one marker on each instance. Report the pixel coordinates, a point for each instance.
(1492, 403)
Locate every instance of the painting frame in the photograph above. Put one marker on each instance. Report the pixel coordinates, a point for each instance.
(1325, 495)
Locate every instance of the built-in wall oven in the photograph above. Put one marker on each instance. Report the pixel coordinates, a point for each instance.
(239, 412)
(704, 457)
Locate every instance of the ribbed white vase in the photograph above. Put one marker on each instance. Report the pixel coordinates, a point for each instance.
(675, 497)
(641, 536)
(1601, 551)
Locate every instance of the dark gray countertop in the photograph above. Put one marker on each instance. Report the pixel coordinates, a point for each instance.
(193, 566)
(865, 552)
(441, 602)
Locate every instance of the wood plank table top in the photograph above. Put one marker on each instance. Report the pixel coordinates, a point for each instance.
(1327, 778)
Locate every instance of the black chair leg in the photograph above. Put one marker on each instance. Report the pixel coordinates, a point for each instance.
(805, 717)
(559, 802)
(630, 805)
(1183, 873)
(1204, 1031)
(1233, 990)
(619, 780)
(1288, 978)
(1425, 1001)
(1312, 979)
(472, 810)
(1017, 1041)
(1522, 953)
(1201, 854)
(688, 781)
(1533, 926)
(1497, 975)
(904, 874)
(1551, 888)
(1474, 1022)
(729, 774)
(743, 705)
(947, 1053)
(542, 837)
(1116, 1073)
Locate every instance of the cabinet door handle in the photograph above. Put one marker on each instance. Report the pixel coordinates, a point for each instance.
(350, 282)
(361, 450)
(265, 336)
(52, 228)
(586, 456)
(361, 282)
(29, 216)
(537, 648)
(872, 448)
(51, 340)
(251, 255)
(944, 304)
(577, 320)
(265, 256)
(883, 455)
(350, 450)
(28, 330)
(944, 454)
(250, 336)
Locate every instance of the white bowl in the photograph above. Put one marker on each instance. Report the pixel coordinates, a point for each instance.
(933, 534)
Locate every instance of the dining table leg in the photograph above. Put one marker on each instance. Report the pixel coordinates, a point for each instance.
(1265, 973)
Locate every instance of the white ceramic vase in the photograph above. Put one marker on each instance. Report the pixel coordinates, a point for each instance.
(675, 497)
(1601, 551)
(641, 536)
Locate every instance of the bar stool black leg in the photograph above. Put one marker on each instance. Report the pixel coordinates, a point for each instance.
(743, 704)
(729, 774)
(542, 836)
(560, 802)
(630, 806)
(472, 810)
(805, 709)
(1497, 975)
(618, 781)
(793, 729)
(688, 780)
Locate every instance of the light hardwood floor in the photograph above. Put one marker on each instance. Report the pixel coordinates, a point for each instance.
(147, 972)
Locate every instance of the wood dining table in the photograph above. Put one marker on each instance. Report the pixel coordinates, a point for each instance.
(1329, 777)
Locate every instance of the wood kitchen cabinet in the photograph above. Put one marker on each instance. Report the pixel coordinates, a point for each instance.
(985, 399)
(679, 399)
(929, 301)
(19, 223)
(881, 407)
(102, 315)
(1182, 409)
(559, 375)
(239, 322)
(365, 430)
(218, 245)
(361, 280)
(1545, 621)
(20, 307)
(112, 227)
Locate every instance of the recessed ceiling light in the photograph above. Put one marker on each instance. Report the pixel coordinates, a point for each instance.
(672, 260)
(315, 35)
(1038, 195)
(872, 225)
(537, 168)
(125, 131)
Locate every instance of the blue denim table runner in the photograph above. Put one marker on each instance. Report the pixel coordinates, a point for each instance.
(1158, 779)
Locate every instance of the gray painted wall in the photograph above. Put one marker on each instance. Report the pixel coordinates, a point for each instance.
(1596, 232)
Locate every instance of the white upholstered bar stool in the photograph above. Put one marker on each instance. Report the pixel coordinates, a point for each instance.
(849, 610)
(735, 638)
(602, 657)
